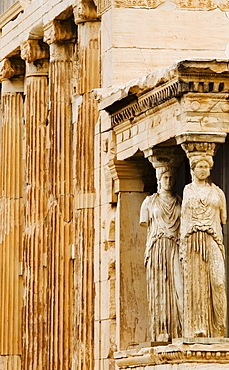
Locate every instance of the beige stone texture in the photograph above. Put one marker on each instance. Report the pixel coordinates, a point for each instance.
(73, 179)
(138, 41)
(123, 64)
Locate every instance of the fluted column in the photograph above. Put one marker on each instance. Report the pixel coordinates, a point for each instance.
(60, 36)
(11, 215)
(35, 233)
(84, 190)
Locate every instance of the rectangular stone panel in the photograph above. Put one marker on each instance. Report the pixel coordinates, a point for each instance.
(161, 28)
(120, 65)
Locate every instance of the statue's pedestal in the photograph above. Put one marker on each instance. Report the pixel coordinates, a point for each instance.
(181, 354)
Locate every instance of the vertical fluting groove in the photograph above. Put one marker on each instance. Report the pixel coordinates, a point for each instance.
(11, 205)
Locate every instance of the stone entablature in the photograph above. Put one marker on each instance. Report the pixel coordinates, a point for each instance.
(189, 352)
(190, 96)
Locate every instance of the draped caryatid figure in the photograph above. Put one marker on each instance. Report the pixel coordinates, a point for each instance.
(160, 213)
(202, 250)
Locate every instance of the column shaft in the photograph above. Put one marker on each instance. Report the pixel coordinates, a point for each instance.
(89, 78)
(11, 220)
(35, 232)
(60, 212)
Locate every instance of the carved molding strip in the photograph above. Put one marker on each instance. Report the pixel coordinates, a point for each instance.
(147, 102)
(173, 354)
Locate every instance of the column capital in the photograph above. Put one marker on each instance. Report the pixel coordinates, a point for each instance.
(127, 175)
(200, 143)
(168, 156)
(58, 31)
(31, 50)
(84, 11)
(6, 69)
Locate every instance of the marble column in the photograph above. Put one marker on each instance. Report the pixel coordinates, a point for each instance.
(88, 74)
(35, 333)
(60, 36)
(11, 213)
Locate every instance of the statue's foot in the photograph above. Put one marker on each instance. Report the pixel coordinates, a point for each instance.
(200, 334)
(164, 337)
(220, 332)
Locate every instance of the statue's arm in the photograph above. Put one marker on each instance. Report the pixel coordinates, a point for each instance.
(223, 208)
(144, 213)
(185, 212)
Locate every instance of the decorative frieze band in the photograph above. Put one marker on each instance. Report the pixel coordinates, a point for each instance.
(201, 5)
(103, 5)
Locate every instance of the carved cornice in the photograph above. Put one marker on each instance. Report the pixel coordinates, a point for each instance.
(84, 11)
(58, 31)
(140, 97)
(6, 69)
(173, 354)
(31, 51)
(147, 102)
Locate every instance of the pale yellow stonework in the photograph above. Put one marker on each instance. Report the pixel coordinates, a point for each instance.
(95, 97)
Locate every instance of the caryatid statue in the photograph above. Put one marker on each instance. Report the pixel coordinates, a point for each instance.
(160, 213)
(202, 249)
